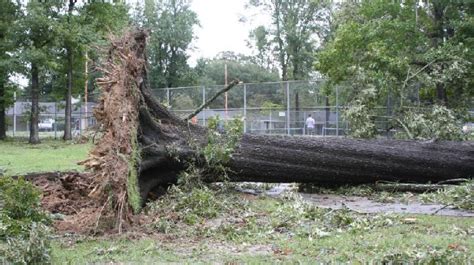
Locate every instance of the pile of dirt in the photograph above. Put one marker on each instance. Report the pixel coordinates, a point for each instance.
(66, 197)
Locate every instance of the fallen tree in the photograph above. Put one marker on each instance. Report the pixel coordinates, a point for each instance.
(144, 146)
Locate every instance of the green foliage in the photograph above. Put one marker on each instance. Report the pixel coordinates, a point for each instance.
(289, 38)
(189, 206)
(223, 138)
(171, 23)
(438, 122)
(21, 200)
(461, 196)
(8, 65)
(409, 60)
(34, 248)
(24, 236)
(360, 116)
(241, 67)
(268, 106)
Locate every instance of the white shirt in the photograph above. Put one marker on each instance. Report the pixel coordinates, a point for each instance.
(310, 122)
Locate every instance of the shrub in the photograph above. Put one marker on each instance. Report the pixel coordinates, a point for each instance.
(31, 249)
(24, 236)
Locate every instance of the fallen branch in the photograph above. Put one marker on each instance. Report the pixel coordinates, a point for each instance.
(207, 103)
(408, 187)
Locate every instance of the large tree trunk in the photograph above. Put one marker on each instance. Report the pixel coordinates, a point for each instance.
(340, 161)
(135, 122)
(34, 117)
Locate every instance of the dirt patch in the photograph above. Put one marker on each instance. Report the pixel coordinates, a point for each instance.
(66, 197)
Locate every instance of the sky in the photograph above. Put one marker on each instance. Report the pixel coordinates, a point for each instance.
(221, 29)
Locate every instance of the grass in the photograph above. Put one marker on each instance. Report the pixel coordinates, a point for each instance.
(18, 157)
(261, 229)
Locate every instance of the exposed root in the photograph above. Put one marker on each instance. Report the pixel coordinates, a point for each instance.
(111, 160)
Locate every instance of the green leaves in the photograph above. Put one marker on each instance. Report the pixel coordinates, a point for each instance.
(171, 25)
(404, 54)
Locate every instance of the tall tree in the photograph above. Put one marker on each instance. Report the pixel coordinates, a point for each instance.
(82, 27)
(396, 54)
(171, 25)
(296, 26)
(36, 34)
(69, 42)
(8, 13)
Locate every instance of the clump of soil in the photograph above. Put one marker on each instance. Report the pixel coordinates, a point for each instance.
(66, 196)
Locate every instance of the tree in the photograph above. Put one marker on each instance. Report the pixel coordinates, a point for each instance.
(171, 25)
(156, 147)
(8, 13)
(70, 40)
(83, 27)
(36, 33)
(292, 37)
(393, 54)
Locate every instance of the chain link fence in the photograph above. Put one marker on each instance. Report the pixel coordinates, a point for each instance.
(51, 118)
(265, 108)
(268, 108)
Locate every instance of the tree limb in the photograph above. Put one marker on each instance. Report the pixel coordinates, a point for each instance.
(225, 89)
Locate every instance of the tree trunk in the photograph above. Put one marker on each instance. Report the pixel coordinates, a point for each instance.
(69, 53)
(34, 117)
(68, 108)
(348, 161)
(3, 126)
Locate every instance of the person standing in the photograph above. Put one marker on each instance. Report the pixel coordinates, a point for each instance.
(310, 125)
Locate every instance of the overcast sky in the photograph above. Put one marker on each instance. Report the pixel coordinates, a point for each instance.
(220, 28)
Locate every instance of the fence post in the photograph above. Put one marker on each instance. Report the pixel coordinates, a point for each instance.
(245, 108)
(14, 113)
(204, 102)
(337, 110)
(55, 120)
(80, 118)
(168, 97)
(288, 107)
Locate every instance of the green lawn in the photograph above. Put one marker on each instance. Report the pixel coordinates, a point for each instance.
(18, 157)
(269, 230)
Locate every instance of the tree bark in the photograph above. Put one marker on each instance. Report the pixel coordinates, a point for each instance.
(68, 108)
(269, 158)
(34, 117)
(69, 53)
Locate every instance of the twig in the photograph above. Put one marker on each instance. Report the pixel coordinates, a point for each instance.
(442, 208)
(225, 89)
(453, 181)
(410, 135)
(390, 186)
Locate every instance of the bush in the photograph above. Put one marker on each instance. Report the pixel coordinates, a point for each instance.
(20, 200)
(32, 249)
(24, 234)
